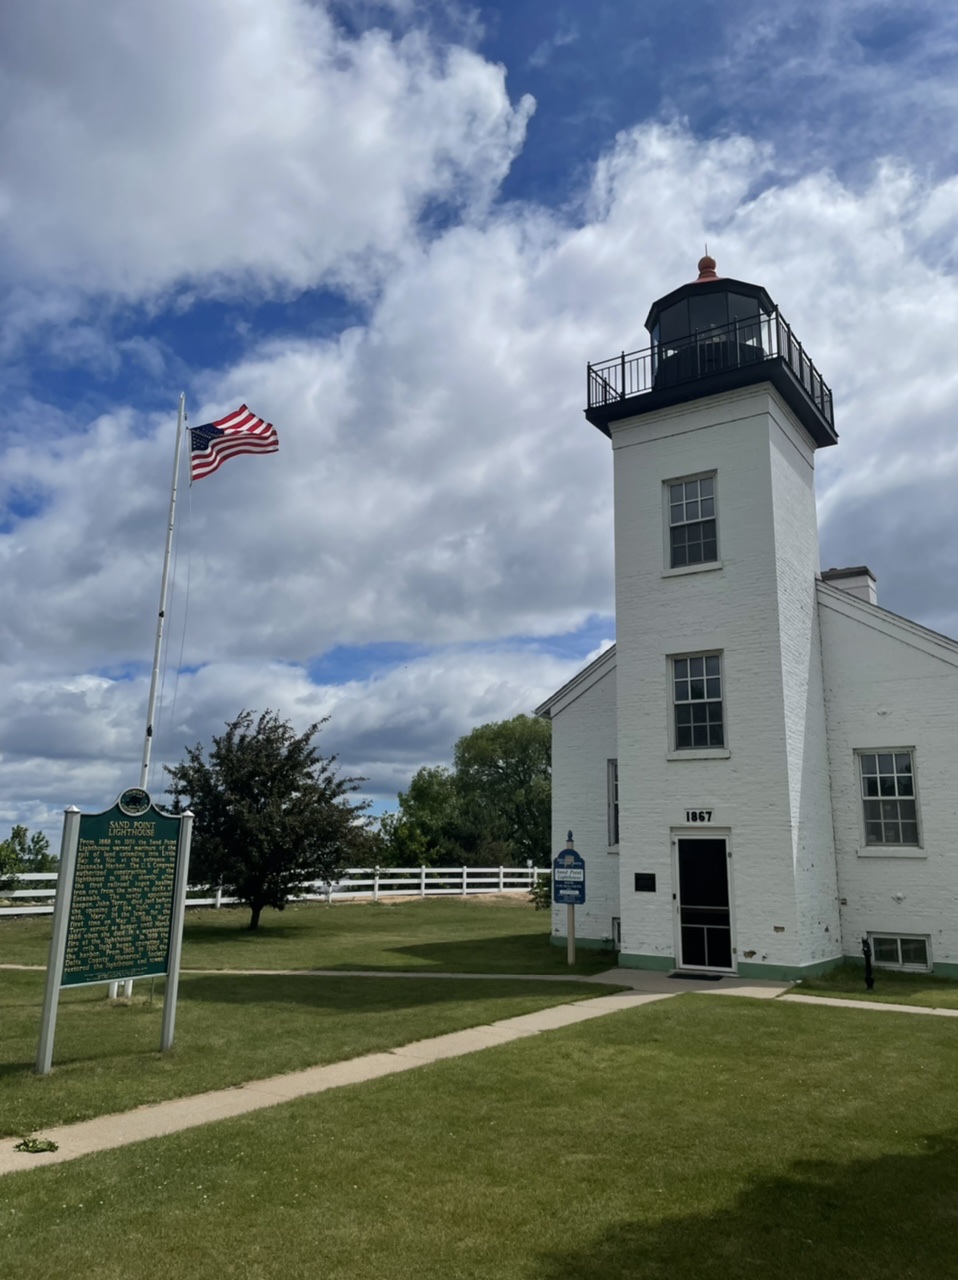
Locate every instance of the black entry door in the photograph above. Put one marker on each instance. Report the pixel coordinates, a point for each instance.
(704, 918)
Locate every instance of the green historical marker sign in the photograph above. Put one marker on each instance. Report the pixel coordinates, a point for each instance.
(121, 909)
(121, 894)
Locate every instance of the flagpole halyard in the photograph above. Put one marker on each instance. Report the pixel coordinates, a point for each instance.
(164, 585)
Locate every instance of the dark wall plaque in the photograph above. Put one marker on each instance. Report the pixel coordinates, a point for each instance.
(122, 910)
(644, 882)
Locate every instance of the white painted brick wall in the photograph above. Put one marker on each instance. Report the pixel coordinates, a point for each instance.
(888, 684)
(583, 740)
(767, 533)
(796, 551)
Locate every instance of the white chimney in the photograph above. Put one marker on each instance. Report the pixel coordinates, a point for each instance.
(859, 581)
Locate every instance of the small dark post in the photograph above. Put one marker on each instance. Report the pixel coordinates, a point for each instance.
(867, 953)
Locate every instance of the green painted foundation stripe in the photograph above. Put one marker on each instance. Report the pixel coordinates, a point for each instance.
(768, 972)
(786, 972)
(943, 970)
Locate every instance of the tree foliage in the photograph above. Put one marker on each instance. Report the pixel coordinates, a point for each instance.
(430, 827)
(504, 775)
(21, 852)
(272, 813)
(491, 808)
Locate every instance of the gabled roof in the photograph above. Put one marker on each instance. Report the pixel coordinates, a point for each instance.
(852, 607)
(891, 624)
(579, 683)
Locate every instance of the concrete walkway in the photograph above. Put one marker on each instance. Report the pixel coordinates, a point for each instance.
(156, 1120)
(646, 980)
(871, 1004)
(103, 1133)
(643, 980)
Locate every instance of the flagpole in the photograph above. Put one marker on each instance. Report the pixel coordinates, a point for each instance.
(158, 646)
(164, 584)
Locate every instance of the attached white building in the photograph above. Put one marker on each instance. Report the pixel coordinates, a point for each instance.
(760, 773)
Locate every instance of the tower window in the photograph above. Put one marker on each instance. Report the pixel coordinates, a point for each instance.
(693, 537)
(697, 701)
(889, 797)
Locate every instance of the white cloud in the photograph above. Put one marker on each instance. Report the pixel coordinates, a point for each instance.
(836, 82)
(238, 145)
(543, 53)
(75, 740)
(436, 483)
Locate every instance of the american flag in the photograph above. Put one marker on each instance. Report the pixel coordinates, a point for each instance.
(240, 432)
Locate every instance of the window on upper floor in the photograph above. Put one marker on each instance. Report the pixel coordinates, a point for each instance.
(889, 797)
(697, 701)
(612, 796)
(693, 530)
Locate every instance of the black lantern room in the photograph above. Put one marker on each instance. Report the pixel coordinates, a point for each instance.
(707, 326)
(710, 336)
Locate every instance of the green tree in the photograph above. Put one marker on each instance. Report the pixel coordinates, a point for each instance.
(504, 778)
(429, 827)
(493, 807)
(9, 866)
(22, 852)
(272, 813)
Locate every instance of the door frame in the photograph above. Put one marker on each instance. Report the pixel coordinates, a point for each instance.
(702, 833)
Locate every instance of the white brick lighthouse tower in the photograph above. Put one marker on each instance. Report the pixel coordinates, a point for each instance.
(722, 818)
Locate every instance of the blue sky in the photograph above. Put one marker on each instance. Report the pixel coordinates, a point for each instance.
(399, 230)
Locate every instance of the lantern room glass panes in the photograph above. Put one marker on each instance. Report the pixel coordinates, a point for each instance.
(673, 323)
(708, 311)
(693, 531)
(889, 797)
(697, 699)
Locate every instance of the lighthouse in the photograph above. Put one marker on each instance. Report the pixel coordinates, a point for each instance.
(718, 849)
(759, 772)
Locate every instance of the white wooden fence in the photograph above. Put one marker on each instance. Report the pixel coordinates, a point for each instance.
(37, 892)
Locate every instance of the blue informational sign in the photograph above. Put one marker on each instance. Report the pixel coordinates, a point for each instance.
(568, 879)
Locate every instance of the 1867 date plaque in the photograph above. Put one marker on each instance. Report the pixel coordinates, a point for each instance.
(121, 912)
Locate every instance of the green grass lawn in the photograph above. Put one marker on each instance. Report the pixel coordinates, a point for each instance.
(458, 935)
(695, 1139)
(847, 982)
(228, 1030)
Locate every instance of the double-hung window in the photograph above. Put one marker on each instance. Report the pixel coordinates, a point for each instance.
(697, 701)
(693, 536)
(889, 797)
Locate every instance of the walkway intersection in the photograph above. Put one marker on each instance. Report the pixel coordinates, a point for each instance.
(156, 1120)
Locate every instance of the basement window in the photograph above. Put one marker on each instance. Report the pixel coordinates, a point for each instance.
(894, 951)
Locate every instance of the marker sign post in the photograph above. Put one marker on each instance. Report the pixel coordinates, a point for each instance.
(121, 895)
(568, 886)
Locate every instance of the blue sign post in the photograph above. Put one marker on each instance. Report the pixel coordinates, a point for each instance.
(568, 886)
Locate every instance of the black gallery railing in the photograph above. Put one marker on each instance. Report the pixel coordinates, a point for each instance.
(711, 351)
